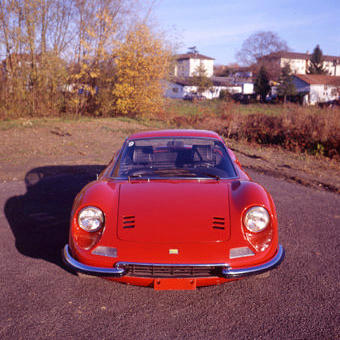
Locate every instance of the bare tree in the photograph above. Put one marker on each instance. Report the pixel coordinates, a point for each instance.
(100, 24)
(201, 80)
(258, 45)
(59, 34)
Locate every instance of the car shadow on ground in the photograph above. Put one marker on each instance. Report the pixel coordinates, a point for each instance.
(39, 219)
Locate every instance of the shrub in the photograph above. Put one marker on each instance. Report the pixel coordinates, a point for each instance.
(297, 129)
(293, 127)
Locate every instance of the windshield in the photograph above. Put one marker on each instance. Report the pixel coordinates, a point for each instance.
(174, 157)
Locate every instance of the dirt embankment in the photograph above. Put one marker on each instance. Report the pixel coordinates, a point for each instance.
(30, 144)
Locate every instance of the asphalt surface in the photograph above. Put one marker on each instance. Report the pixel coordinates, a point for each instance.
(40, 299)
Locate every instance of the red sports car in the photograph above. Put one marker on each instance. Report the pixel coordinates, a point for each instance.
(173, 210)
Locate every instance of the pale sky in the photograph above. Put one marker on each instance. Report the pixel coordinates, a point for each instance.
(218, 27)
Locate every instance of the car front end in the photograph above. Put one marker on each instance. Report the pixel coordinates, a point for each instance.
(173, 228)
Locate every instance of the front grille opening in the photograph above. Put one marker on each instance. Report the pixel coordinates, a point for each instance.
(171, 271)
(218, 223)
(129, 222)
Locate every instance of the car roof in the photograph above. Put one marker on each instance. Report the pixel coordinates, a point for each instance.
(176, 133)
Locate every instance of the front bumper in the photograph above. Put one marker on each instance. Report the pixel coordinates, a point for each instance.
(226, 272)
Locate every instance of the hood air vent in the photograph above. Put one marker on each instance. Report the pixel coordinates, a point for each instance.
(128, 222)
(218, 223)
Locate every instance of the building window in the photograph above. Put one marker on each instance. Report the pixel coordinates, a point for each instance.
(175, 89)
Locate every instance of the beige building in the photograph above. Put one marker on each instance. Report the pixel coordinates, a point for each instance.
(187, 64)
(299, 62)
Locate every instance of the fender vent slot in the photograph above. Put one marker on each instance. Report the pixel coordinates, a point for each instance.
(129, 222)
(218, 223)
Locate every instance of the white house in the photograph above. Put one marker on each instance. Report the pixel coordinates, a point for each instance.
(187, 64)
(180, 87)
(186, 67)
(317, 88)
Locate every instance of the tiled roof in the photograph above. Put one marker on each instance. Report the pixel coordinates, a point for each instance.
(192, 56)
(222, 81)
(182, 81)
(297, 55)
(319, 79)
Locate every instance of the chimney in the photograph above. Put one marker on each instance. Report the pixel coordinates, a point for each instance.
(334, 64)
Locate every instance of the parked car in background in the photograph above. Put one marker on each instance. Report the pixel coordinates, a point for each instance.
(194, 97)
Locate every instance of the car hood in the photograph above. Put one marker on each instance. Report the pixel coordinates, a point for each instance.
(165, 212)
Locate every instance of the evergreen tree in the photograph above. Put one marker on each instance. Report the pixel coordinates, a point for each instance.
(201, 80)
(261, 85)
(286, 87)
(316, 62)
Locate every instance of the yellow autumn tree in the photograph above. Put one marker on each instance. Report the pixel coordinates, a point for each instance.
(142, 64)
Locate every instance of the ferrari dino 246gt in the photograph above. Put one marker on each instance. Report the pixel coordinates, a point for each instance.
(173, 210)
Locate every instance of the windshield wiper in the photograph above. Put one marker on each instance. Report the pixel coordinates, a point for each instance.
(207, 174)
(173, 172)
(141, 174)
(135, 176)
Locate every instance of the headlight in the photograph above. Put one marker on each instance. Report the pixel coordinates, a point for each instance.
(90, 219)
(256, 219)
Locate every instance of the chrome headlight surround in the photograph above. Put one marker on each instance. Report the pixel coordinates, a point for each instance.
(90, 219)
(256, 219)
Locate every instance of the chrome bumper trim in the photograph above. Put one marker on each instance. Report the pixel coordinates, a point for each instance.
(275, 261)
(121, 263)
(227, 271)
(100, 271)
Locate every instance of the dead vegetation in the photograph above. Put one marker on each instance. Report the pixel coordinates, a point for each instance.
(300, 129)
